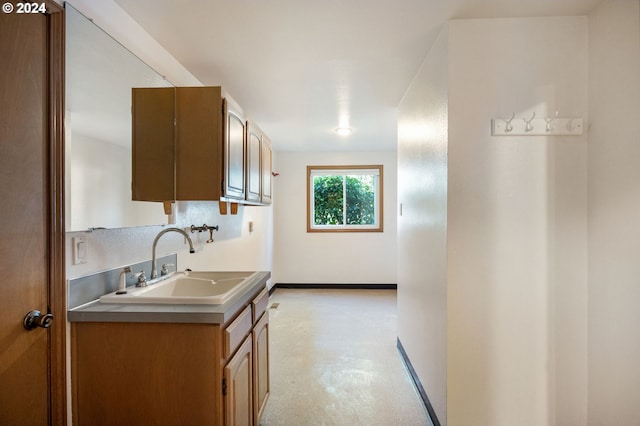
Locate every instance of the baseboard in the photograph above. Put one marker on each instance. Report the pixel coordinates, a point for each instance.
(419, 387)
(338, 286)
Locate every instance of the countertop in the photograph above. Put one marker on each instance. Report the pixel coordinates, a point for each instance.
(97, 311)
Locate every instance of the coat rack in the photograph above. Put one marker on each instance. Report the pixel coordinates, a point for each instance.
(533, 126)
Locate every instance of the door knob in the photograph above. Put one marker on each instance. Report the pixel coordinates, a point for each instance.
(36, 319)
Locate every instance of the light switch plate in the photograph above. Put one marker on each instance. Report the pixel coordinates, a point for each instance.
(79, 250)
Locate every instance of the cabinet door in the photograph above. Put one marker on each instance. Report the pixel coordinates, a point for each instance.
(235, 146)
(178, 144)
(238, 397)
(266, 170)
(153, 144)
(260, 366)
(254, 145)
(199, 143)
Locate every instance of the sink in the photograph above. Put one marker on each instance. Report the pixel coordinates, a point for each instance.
(217, 275)
(189, 287)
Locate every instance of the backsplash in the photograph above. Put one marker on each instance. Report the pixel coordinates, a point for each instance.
(90, 287)
(234, 246)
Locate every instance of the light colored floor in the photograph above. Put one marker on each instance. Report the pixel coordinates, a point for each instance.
(334, 361)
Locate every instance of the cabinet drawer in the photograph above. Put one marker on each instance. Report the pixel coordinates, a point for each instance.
(235, 333)
(259, 304)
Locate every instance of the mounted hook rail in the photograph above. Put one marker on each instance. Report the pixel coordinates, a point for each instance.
(532, 126)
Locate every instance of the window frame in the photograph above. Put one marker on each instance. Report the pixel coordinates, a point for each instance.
(345, 169)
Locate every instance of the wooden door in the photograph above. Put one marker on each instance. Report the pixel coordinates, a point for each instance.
(254, 145)
(238, 395)
(199, 145)
(32, 374)
(153, 144)
(234, 146)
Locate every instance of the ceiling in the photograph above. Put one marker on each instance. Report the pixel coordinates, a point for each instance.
(302, 68)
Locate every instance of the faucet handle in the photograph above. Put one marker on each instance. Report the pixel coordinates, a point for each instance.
(165, 269)
(142, 279)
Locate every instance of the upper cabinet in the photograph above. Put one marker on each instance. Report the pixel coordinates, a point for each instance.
(192, 144)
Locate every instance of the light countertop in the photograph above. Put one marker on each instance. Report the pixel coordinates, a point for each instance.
(97, 311)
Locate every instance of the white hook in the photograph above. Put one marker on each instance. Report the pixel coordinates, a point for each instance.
(509, 127)
(570, 126)
(549, 121)
(529, 126)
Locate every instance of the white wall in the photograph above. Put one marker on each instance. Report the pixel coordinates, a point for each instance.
(517, 223)
(614, 207)
(422, 227)
(515, 254)
(330, 258)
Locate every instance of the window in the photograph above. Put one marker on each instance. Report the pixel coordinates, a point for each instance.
(344, 198)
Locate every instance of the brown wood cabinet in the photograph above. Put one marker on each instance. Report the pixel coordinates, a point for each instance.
(192, 144)
(259, 166)
(178, 144)
(140, 373)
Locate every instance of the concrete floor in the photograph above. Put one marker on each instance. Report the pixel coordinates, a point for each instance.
(334, 361)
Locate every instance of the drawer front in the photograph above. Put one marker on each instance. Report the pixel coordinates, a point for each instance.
(235, 333)
(259, 304)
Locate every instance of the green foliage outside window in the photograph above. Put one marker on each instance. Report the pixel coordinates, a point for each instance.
(330, 201)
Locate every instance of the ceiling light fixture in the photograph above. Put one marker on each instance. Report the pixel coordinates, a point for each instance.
(343, 131)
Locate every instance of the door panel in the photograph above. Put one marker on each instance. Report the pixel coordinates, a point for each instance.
(238, 400)
(254, 142)
(261, 383)
(266, 169)
(235, 145)
(27, 213)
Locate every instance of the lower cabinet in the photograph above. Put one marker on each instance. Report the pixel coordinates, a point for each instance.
(246, 374)
(238, 386)
(133, 373)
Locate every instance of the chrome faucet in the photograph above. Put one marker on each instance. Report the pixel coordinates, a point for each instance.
(154, 266)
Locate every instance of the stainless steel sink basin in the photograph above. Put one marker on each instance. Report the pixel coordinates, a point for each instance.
(191, 287)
